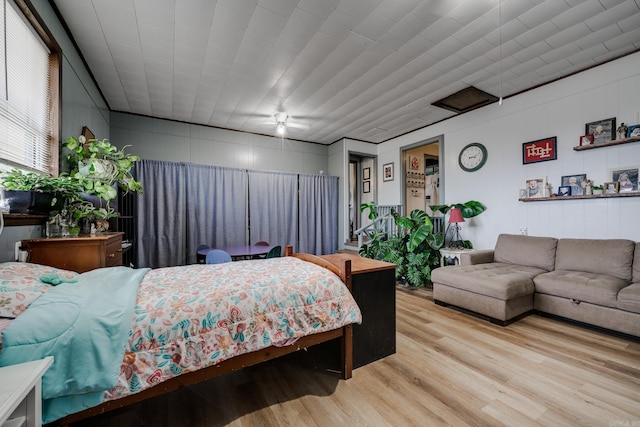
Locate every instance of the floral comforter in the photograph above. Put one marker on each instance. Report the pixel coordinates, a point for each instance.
(187, 318)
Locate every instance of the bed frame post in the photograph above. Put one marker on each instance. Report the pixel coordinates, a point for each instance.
(346, 346)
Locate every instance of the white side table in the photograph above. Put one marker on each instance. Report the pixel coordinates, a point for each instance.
(451, 256)
(21, 393)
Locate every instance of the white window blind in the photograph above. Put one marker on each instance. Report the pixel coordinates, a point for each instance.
(25, 104)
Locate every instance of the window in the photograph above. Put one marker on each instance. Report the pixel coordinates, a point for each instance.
(29, 86)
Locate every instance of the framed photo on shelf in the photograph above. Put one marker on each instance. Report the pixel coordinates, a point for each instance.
(602, 130)
(627, 179)
(564, 190)
(366, 174)
(586, 139)
(535, 187)
(539, 151)
(633, 130)
(574, 182)
(523, 193)
(611, 188)
(387, 172)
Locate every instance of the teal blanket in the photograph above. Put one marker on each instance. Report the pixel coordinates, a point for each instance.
(85, 327)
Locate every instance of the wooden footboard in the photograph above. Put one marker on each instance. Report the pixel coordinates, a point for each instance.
(345, 334)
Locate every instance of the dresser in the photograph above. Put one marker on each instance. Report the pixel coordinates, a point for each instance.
(21, 393)
(80, 254)
(374, 289)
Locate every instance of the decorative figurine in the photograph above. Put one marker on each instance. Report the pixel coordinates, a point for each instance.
(621, 131)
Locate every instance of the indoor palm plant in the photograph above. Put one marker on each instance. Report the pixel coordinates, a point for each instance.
(468, 209)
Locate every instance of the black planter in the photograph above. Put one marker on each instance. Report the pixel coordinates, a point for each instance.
(30, 202)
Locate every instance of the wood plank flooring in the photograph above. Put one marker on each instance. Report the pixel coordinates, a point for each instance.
(451, 369)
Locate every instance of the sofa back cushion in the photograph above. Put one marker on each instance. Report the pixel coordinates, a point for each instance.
(612, 257)
(636, 264)
(531, 251)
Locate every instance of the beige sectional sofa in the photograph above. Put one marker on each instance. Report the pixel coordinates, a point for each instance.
(587, 280)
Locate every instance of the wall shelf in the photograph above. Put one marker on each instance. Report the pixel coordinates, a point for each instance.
(607, 143)
(594, 196)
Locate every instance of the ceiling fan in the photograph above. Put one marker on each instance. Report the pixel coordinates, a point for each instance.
(282, 125)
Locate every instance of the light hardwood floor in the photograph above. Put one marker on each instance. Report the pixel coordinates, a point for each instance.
(450, 369)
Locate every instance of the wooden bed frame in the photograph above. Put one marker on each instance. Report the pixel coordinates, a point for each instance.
(238, 362)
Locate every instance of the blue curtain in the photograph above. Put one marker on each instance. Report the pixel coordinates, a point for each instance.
(216, 207)
(160, 215)
(318, 214)
(273, 208)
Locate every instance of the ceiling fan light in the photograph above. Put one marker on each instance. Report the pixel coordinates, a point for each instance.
(281, 117)
(280, 128)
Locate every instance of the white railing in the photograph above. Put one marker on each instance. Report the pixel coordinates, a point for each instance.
(386, 224)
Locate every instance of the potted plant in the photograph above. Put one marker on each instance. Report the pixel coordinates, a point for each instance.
(36, 193)
(414, 249)
(597, 189)
(100, 168)
(468, 209)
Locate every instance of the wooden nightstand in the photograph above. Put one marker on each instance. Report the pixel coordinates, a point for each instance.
(21, 393)
(78, 254)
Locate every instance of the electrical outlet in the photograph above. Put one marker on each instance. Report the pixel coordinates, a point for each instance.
(523, 231)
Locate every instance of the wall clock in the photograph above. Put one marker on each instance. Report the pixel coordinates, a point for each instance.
(472, 157)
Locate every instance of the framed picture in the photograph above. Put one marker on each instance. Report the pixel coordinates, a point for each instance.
(539, 151)
(610, 188)
(602, 130)
(366, 187)
(535, 187)
(627, 179)
(366, 173)
(574, 182)
(414, 163)
(387, 172)
(523, 193)
(564, 190)
(586, 139)
(86, 132)
(633, 131)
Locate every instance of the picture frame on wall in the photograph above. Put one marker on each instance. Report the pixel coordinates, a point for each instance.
(602, 130)
(535, 187)
(86, 132)
(366, 187)
(387, 172)
(541, 150)
(366, 174)
(574, 182)
(414, 163)
(627, 178)
(586, 139)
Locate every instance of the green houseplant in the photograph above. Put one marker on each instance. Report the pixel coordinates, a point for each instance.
(469, 210)
(37, 193)
(99, 167)
(414, 249)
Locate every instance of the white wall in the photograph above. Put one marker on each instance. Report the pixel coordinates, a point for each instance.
(158, 139)
(559, 109)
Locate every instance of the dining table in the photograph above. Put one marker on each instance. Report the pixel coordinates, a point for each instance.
(240, 252)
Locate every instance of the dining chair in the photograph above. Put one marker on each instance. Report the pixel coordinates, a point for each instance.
(261, 243)
(217, 256)
(200, 259)
(275, 252)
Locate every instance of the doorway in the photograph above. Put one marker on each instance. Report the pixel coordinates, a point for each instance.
(422, 181)
(362, 187)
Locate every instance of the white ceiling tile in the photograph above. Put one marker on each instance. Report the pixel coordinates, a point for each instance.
(342, 67)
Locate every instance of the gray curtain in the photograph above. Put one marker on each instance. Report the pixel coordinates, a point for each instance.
(273, 208)
(160, 216)
(318, 214)
(216, 207)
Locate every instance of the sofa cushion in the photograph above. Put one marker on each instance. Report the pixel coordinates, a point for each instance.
(531, 251)
(594, 288)
(629, 298)
(497, 280)
(612, 257)
(636, 264)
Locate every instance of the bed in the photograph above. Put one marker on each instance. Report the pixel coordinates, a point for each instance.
(121, 335)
